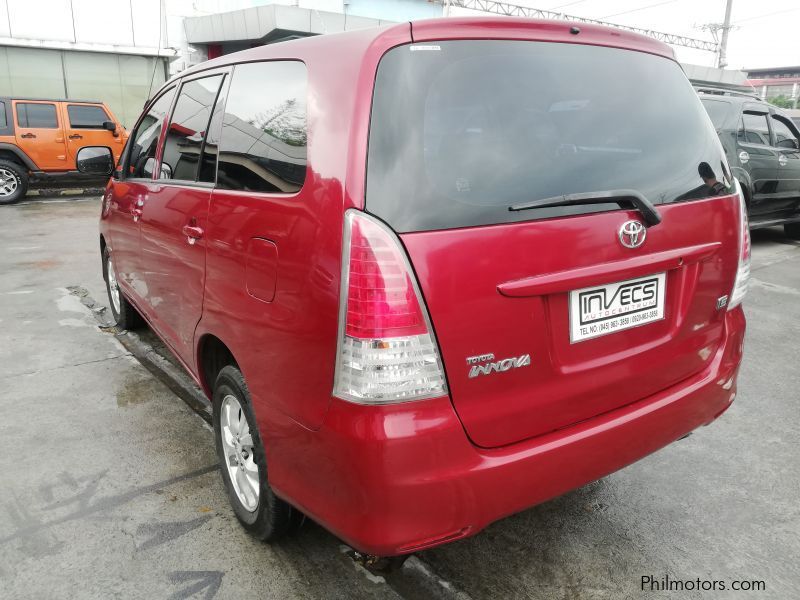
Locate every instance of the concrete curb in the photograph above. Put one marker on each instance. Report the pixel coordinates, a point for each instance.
(77, 191)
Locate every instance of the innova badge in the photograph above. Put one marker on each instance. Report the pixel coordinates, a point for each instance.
(485, 364)
(632, 234)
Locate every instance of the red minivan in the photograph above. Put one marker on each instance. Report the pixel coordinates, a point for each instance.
(432, 274)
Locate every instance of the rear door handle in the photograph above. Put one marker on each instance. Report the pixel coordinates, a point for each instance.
(192, 233)
(28, 135)
(76, 136)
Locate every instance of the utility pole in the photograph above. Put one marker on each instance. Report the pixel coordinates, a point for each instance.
(722, 62)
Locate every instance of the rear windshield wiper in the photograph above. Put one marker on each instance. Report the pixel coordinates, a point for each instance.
(619, 197)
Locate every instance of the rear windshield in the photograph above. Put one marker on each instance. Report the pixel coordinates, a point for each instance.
(461, 130)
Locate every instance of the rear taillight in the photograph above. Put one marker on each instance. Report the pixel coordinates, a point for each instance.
(387, 351)
(743, 271)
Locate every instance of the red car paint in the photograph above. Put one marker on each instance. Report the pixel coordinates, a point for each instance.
(390, 479)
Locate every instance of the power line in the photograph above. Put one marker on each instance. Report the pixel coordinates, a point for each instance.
(565, 5)
(625, 12)
(158, 50)
(515, 10)
(777, 12)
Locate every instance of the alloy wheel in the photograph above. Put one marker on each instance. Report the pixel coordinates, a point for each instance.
(113, 286)
(237, 444)
(8, 182)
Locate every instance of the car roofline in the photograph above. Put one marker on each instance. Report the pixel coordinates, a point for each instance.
(455, 28)
(34, 99)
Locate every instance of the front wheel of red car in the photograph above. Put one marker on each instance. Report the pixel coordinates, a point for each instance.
(122, 311)
(243, 462)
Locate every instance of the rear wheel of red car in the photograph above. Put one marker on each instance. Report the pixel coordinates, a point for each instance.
(243, 462)
(792, 231)
(123, 313)
(13, 181)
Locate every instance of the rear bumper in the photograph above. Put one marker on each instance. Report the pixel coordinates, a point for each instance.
(391, 480)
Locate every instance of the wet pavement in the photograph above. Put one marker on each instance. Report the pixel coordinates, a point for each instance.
(110, 489)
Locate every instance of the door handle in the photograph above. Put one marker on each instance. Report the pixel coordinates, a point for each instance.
(782, 160)
(76, 136)
(192, 233)
(28, 135)
(137, 214)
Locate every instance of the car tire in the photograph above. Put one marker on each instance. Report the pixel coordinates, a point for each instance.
(243, 463)
(792, 230)
(13, 181)
(122, 311)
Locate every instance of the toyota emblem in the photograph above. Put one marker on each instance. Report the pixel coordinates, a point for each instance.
(632, 234)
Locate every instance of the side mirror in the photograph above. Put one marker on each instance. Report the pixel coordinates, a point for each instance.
(165, 171)
(147, 169)
(790, 143)
(95, 160)
(109, 126)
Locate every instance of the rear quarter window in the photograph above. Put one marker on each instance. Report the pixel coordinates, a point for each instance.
(262, 146)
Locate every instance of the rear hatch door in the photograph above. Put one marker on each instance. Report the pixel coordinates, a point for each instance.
(550, 316)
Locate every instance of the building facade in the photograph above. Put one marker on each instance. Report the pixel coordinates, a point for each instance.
(108, 50)
(781, 85)
(119, 51)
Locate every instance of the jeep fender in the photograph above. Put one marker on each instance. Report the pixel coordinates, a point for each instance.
(23, 158)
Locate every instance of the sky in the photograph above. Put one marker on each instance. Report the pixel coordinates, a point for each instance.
(764, 34)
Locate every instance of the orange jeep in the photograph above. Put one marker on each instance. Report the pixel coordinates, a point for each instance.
(40, 138)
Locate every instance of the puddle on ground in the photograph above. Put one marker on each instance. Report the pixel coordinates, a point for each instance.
(135, 391)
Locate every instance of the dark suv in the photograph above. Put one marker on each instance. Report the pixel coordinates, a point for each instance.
(762, 144)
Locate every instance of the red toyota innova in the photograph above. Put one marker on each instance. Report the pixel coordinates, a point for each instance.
(432, 274)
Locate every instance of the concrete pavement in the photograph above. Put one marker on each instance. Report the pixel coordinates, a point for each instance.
(110, 489)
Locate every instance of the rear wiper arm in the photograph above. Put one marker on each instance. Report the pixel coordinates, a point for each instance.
(619, 197)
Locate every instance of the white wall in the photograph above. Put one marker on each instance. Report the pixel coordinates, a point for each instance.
(132, 23)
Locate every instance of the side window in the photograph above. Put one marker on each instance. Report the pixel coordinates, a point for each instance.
(142, 154)
(756, 129)
(82, 116)
(40, 116)
(263, 142)
(3, 120)
(782, 132)
(187, 128)
(208, 162)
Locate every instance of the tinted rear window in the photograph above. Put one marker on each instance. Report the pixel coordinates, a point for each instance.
(717, 110)
(187, 128)
(263, 142)
(37, 115)
(461, 130)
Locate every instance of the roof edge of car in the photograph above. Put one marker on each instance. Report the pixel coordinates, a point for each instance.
(445, 28)
(34, 99)
(548, 29)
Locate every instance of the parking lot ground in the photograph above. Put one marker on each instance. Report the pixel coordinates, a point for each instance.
(110, 489)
